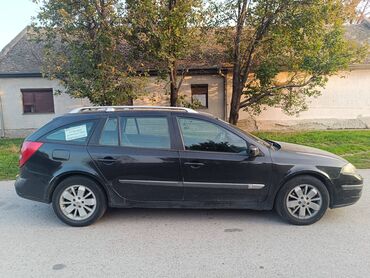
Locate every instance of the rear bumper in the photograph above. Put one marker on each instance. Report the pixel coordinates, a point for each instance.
(25, 189)
(348, 191)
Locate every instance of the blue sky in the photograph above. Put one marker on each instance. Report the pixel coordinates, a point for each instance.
(14, 16)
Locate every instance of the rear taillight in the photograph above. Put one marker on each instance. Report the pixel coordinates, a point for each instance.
(27, 150)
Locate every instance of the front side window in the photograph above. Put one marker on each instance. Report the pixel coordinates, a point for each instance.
(200, 135)
(74, 133)
(109, 134)
(37, 101)
(145, 132)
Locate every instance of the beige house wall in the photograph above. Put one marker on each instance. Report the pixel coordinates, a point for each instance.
(157, 92)
(344, 103)
(18, 124)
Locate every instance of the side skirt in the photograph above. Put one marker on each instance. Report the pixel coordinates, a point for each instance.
(191, 205)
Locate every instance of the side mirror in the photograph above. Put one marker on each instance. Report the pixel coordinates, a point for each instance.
(254, 151)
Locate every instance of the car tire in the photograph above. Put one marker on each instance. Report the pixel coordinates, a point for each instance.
(303, 200)
(79, 201)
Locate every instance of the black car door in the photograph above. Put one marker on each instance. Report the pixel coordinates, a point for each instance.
(134, 153)
(216, 165)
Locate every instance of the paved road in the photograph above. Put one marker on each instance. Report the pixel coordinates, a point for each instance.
(182, 243)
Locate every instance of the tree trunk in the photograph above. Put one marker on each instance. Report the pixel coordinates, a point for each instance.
(173, 84)
(129, 102)
(173, 67)
(235, 99)
(237, 83)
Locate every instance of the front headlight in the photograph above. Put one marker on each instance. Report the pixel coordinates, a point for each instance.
(349, 169)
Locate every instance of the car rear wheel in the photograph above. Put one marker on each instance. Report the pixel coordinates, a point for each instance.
(302, 200)
(79, 201)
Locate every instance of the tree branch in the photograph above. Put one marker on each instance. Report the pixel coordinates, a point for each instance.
(268, 92)
(254, 99)
(290, 86)
(183, 74)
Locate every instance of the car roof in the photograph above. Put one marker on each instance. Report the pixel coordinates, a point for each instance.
(130, 108)
(97, 111)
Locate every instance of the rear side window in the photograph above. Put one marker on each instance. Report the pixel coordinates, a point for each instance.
(75, 133)
(145, 132)
(109, 134)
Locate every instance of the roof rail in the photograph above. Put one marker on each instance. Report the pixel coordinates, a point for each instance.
(115, 108)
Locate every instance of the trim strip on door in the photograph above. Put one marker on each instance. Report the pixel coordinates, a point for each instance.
(224, 185)
(196, 184)
(151, 182)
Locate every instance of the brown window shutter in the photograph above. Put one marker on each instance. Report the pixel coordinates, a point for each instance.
(44, 102)
(28, 98)
(38, 100)
(28, 102)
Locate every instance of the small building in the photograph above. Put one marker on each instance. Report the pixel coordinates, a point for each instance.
(28, 101)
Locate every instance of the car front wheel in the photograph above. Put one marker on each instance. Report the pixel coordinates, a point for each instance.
(79, 201)
(302, 200)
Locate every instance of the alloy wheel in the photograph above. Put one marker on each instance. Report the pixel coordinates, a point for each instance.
(77, 202)
(304, 201)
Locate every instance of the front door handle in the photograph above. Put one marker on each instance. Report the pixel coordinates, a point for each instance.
(194, 165)
(107, 160)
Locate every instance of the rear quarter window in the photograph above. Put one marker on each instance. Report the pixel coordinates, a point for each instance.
(75, 133)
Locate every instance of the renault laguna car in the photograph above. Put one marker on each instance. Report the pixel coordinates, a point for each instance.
(166, 157)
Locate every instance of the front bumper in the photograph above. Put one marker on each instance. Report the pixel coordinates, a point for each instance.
(347, 191)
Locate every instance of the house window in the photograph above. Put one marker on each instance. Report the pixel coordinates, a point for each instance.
(199, 95)
(37, 101)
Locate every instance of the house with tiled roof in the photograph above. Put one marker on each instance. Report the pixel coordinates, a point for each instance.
(28, 101)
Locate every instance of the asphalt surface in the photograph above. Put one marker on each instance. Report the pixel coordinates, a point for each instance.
(182, 243)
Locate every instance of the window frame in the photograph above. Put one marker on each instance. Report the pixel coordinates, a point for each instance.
(151, 115)
(38, 90)
(101, 129)
(85, 143)
(182, 143)
(195, 86)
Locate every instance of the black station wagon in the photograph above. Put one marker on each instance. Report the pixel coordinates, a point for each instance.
(166, 157)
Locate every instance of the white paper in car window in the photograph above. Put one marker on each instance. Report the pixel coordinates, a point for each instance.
(75, 132)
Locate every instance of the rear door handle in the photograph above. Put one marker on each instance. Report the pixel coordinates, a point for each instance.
(107, 160)
(194, 165)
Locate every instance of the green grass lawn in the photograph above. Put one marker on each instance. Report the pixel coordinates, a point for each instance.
(353, 145)
(9, 154)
